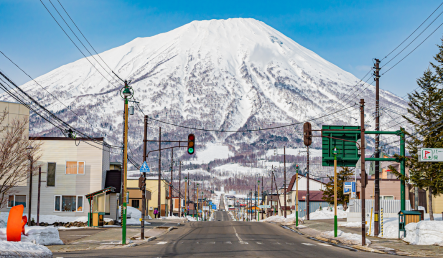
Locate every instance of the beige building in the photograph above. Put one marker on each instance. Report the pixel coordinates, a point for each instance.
(70, 169)
(135, 194)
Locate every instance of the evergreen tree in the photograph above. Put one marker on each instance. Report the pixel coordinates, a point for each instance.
(425, 114)
(328, 194)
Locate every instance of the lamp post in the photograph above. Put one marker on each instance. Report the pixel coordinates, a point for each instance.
(126, 94)
(334, 152)
(31, 160)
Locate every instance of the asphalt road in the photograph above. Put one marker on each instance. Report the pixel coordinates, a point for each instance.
(227, 239)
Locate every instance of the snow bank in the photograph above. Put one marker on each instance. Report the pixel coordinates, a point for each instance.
(280, 219)
(350, 224)
(425, 233)
(346, 238)
(41, 235)
(326, 213)
(23, 249)
(190, 218)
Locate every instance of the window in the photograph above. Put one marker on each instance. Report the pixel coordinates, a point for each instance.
(75, 167)
(79, 203)
(67, 203)
(15, 200)
(135, 204)
(50, 177)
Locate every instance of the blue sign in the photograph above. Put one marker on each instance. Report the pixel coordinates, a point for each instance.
(145, 168)
(349, 188)
(354, 190)
(214, 207)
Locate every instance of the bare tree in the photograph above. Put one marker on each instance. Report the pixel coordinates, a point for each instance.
(14, 155)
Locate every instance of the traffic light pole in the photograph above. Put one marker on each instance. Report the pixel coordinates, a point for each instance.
(335, 192)
(272, 190)
(171, 212)
(296, 196)
(179, 188)
(363, 173)
(307, 183)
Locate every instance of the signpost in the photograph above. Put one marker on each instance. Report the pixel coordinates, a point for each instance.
(145, 168)
(431, 155)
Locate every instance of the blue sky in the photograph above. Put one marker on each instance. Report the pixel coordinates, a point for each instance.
(347, 33)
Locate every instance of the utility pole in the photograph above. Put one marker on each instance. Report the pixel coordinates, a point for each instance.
(262, 197)
(179, 188)
(145, 143)
(363, 173)
(307, 183)
(126, 93)
(255, 200)
(335, 190)
(171, 211)
(272, 190)
(284, 179)
(197, 202)
(159, 170)
(296, 195)
(194, 198)
(377, 151)
(189, 197)
(31, 161)
(186, 200)
(38, 195)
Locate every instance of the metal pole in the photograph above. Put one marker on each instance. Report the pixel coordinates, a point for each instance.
(188, 185)
(30, 189)
(179, 188)
(377, 151)
(335, 193)
(38, 195)
(307, 184)
(171, 212)
(256, 195)
(159, 170)
(197, 202)
(363, 173)
(262, 197)
(284, 179)
(402, 168)
(125, 170)
(145, 142)
(186, 200)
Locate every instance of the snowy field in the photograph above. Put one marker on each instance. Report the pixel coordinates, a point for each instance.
(296, 152)
(212, 152)
(239, 169)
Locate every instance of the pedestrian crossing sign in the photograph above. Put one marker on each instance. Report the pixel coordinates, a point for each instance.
(145, 168)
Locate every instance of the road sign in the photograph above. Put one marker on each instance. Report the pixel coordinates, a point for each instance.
(205, 208)
(264, 206)
(431, 155)
(344, 141)
(349, 187)
(145, 168)
(214, 207)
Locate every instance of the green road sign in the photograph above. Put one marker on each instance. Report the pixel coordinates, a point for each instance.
(347, 151)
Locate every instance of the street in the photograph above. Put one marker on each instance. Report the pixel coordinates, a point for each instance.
(226, 238)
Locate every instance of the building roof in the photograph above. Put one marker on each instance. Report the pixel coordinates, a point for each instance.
(292, 182)
(314, 196)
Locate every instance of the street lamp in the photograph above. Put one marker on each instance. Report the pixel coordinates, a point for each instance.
(29, 151)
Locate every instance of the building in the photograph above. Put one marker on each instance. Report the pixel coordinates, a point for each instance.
(70, 170)
(15, 111)
(135, 194)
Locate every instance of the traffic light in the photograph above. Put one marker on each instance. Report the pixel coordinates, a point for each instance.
(307, 133)
(191, 144)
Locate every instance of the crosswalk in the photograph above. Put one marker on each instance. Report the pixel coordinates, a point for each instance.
(242, 243)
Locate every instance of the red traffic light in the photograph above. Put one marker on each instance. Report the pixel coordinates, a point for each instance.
(191, 137)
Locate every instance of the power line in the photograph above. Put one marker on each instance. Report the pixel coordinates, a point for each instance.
(412, 32)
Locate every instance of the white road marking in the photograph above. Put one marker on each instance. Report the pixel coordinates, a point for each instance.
(307, 244)
(228, 242)
(324, 244)
(243, 243)
(162, 243)
(290, 243)
(277, 243)
(259, 243)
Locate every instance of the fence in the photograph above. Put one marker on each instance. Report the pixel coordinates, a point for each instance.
(313, 206)
(389, 206)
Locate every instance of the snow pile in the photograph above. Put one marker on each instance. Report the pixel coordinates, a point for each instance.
(190, 218)
(23, 249)
(390, 228)
(326, 213)
(350, 224)
(280, 219)
(134, 215)
(345, 238)
(425, 233)
(171, 217)
(41, 235)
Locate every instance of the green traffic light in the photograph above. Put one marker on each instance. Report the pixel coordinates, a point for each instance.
(191, 150)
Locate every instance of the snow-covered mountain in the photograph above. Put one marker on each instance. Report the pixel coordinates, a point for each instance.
(228, 75)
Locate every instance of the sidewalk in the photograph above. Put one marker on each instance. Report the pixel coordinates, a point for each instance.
(106, 238)
(393, 246)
